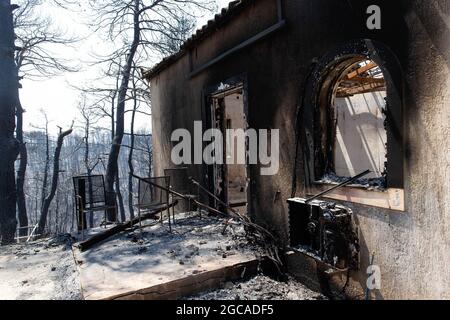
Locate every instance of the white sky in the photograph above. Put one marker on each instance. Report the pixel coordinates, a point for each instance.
(56, 96)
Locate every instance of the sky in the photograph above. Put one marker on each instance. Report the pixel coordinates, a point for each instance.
(57, 96)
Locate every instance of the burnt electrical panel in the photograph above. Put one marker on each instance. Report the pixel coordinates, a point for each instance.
(324, 231)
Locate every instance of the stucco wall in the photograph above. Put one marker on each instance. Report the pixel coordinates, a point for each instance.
(412, 248)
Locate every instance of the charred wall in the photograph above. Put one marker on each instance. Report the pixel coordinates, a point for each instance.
(411, 247)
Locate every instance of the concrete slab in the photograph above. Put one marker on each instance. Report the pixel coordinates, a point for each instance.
(160, 265)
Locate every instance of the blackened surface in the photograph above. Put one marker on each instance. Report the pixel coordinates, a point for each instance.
(279, 67)
(316, 115)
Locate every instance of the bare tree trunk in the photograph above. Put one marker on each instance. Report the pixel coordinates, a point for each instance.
(9, 146)
(36, 204)
(47, 164)
(113, 118)
(67, 215)
(112, 168)
(20, 180)
(88, 168)
(132, 143)
(150, 157)
(130, 162)
(123, 218)
(48, 200)
(57, 212)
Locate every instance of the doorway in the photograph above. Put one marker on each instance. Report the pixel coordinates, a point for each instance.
(231, 177)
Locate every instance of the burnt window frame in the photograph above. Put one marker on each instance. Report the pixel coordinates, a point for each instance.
(316, 119)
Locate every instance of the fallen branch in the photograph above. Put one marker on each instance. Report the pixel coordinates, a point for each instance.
(85, 245)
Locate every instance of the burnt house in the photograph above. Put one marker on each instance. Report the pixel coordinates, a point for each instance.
(345, 98)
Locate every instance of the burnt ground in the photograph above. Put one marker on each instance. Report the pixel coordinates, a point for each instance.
(260, 287)
(46, 269)
(42, 270)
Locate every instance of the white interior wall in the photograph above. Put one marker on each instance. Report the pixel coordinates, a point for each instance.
(237, 177)
(360, 134)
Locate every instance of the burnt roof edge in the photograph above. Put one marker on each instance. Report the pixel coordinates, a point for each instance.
(219, 20)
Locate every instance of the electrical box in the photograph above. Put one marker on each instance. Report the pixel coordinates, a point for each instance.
(324, 231)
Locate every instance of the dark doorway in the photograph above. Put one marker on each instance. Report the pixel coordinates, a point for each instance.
(230, 178)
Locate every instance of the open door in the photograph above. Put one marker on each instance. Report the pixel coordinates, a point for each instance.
(230, 178)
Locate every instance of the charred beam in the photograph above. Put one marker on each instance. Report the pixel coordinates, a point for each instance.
(85, 245)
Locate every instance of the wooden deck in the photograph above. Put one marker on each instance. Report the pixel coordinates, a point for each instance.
(164, 266)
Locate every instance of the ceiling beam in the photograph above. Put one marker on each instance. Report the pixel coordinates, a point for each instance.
(361, 70)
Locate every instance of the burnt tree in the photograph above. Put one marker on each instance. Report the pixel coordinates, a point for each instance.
(47, 161)
(20, 182)
(9, 147)
(146, 25)
(130, 154)
(34, 33)
(89, 119)
(49, 198)
(112, 168)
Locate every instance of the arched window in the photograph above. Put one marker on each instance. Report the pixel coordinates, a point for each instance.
(358, 114)
(351, 120)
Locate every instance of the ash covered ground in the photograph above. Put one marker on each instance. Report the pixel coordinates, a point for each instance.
(368, 183)
(260, 287)
(43, 270)
(192, 242)
(134, 261)
(46, 269)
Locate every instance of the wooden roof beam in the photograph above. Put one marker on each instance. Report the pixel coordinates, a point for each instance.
(364, 80)
(361, 70)
(345, 92)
